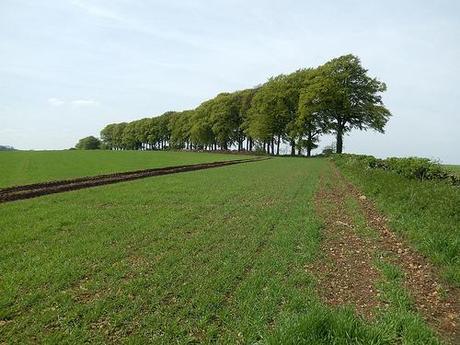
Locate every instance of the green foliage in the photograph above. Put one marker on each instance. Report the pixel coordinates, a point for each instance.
(88, 143)
(180, 126)
(7, 148)
(454, 169)
(319, 325)
(295, 108)
(411, 167)
(414, 167)
(427, 212)
(328, 150)
(345, 97)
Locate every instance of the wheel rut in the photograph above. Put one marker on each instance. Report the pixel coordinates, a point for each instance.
(347, 274)
(39, 189)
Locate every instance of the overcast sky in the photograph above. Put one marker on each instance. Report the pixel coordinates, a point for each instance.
(68, 68)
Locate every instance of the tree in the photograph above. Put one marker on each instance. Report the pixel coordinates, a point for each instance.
(244, 101)
(164, 131)
(296, 108)
(130, 136)
(88, 143)
(180, 126)
(118, 136)
(346, 97)
(310, 123)
(108, 136)
(201, 133)
(274, 110)
(264, 116)
(225, 119)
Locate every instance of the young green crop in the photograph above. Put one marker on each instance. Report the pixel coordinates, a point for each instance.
(207, 256)
(23, 167)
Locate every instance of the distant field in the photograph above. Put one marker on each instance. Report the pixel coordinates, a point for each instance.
(454, 168)
(210, 256)
(22, 167)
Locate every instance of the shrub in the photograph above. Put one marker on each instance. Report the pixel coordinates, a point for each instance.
(411, 167)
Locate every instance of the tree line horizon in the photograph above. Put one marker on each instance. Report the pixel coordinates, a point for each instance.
(295, 109)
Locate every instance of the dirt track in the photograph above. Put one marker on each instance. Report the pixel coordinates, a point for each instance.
(348, 275)
(38, 189)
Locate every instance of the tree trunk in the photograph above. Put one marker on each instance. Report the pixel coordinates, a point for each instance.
(339, 139)
(309, 143)
(250, 144)
(292, 148)
(278, 146)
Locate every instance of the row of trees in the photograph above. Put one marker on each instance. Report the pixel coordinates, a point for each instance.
(295, 109)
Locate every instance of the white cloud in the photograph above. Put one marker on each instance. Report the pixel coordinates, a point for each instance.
(55, 102)
(84, 103)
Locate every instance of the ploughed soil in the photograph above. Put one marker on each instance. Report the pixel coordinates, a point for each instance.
(38, 189)
(348, 274)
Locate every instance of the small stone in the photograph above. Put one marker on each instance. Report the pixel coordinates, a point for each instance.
(362, 197)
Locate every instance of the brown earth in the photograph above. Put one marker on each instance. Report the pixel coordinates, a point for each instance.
(38, 189)
(348, 274)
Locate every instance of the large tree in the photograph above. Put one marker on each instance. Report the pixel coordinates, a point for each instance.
(108, 136)
(295, 108)
(310, 123)
(269, 113)
(179, 126)
(244, 105)
(201, 133)
(88, 143)
(225, 119)
(346, 97)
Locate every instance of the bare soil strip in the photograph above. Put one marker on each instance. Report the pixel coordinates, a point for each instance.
(348, 275)
(38, 189)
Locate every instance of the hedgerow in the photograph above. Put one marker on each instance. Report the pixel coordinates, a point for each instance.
(410, 167)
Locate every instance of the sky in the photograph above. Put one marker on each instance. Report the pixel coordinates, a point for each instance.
(69, 67)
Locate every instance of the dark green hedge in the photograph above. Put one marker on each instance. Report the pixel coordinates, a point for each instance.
(411, 167)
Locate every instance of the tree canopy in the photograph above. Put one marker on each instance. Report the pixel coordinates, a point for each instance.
(88, 143)
(295, 109)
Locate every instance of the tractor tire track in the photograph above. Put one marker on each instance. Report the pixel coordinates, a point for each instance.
(348, 276)
(39, 189)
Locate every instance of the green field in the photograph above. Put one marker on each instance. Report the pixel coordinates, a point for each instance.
(211, 256)
(23, 167)
(454, 168)
(426, 213)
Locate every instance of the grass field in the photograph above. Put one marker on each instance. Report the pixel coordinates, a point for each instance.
(211, 256)
(454, 168)
(23, 167)
(427, 213)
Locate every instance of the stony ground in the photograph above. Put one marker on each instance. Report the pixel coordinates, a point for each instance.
(355, 235)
